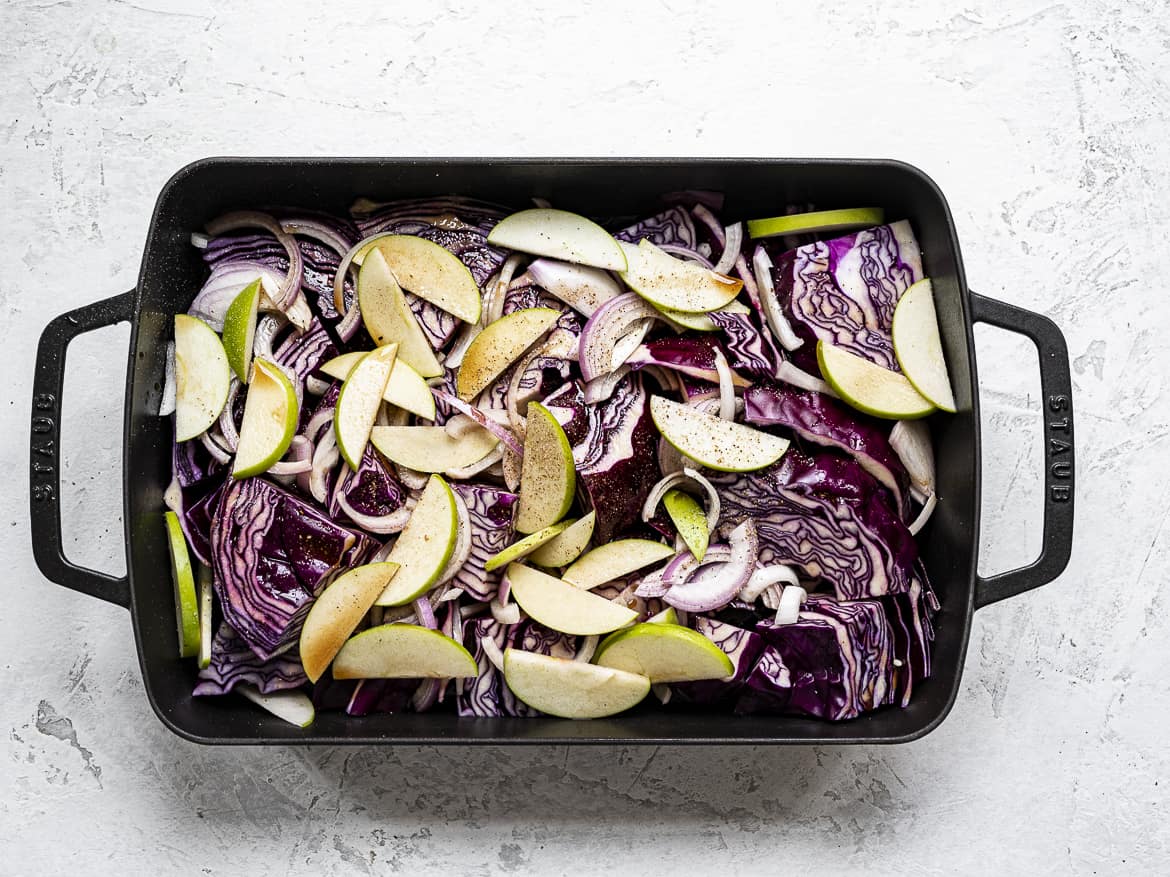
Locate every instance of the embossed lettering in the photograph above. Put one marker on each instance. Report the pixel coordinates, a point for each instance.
(1058, 403)
(1059, 425)
(1059, 446)
(1060, 493)
(1062, 469)
(44, 401)
(42, 468)
(45, 450)
(42, 425)
(42, 492)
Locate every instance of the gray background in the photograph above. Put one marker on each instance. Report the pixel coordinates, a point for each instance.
(1046, 126)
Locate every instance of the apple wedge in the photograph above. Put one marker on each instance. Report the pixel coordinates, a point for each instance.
(664, 652)
(203, 377)
(294, 707)
(703, 322)
(432, 448)
(186, 603)
(689, 519)
(669, 615)
(571, 689)
(270, 420)
(548, 477)
(388, 317)
(526, 546)
(564, 607)
(424, 546)
(718, 444)
(359, 400)
(869, 387)
(820, 222)
(406, 387)
(337, 611)
(403, 651)
(559, 234)
(614, 560)
(499, 345)
(431, 272)
(678, 285)
(918, 347)
(206, 595)
(566, 546)
(239, 329)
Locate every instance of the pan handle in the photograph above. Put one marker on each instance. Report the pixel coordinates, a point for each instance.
(1056, 392)
(45, 445)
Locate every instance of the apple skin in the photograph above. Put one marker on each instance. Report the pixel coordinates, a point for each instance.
(571, 689)
(664, 652)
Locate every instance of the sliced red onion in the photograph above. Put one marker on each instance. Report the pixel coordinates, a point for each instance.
(676, 478)
(325, 457)
(586, 649)
(214, 448)
(290, 288)
(480, 466)
(662, 691)
(770, 597)
(492, 652)
(560, 344)
(681, 252)
(741, 266)
(923, 516)
(726, 386)
(395, 522)
(788, 609)
(625, 317)
(910, 440)
(319, 231)
(166, 403)
(472, 609)
(790, 374)
(764, 578)
(600, 389)
(225, 283)
(413, 480)
(582, 288)
(714, 585)
(651, 585)
(478, 415)
(671, 459)
(319, 420)
(773, 314)
(267, 328)
(227, 420)
(298, 459)
(505, 613)
(427, 694)
(731, 248)
(199, 240)
(462, 549)
(425, 613)
(684, 564)
(493, 305)
(343, 268)
(668, 379)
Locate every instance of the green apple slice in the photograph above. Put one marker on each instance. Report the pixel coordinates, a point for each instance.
(666, 616)
(359, 401)
(676, 284)
(703, 322)
(202, 377)
(918, 347)
(431, 272)
(432, 448)
(526, 546)
(406, 387)
(294, 707)
(869, 387)
(337, 611)
(270, 420)
(689, 519)
(718, 444)
(567, 545)
(239, 329)
(664, 653)
(613, 560)
(186, 604)
(563, 607)
(388, 317)
(403, 651)
(206, 592)
(559, 234)
(548, 477)
(499, 345)
(571, 689)
(820, 222)
(424, 546)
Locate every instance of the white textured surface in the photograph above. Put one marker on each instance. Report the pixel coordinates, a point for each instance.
(1047, 127)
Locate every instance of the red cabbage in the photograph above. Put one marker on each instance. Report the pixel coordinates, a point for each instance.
(749, 349)
(743, 647)
(690, 355)
(492, 510)
(302, 354)
(373, 490)
(615, 449)
(844, 290)
(271, 553)
(381, 696)
(200, 478)
(233, 662)
(487, 695)
(673, 227)
(437, 325)
(822, 420)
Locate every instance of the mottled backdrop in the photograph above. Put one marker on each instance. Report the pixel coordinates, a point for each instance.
(1047, 127)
